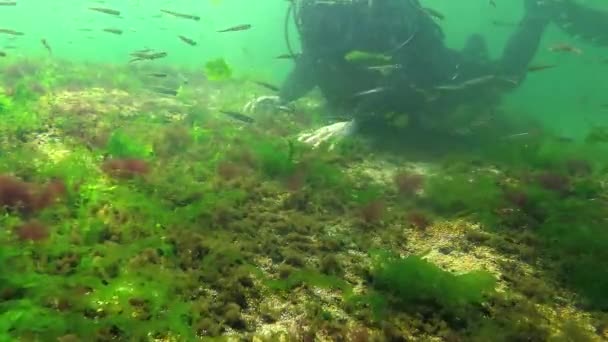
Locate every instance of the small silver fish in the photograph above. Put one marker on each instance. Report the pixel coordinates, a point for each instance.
(236, 28)
(181, 15)
(238, 116)
(516, 135)
(165, 91)
(385, 69)
(370, 91)
(466, 84)
(267, 85)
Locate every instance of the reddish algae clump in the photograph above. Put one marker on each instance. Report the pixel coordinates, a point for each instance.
(126, 168)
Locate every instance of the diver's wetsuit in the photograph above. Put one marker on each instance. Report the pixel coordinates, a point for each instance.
(405, 31)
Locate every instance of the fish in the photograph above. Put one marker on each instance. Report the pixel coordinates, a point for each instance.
(148, 57)
(11, 32)
(238, 116)
(492, 3)
(267, 85)
(158, 75)
(182, 15)
(236, 28)
(563, 139)
(112, 30)
(385, 69)
(165, 91)
(364, 57)
(46, 45)
(287, 56)
(534, 68)
(468, 83)
(562, 47)
(516, 135)
(384, 66)
(286, 109)
(147, 53)
(500, 23)
(141, 51)
(370, 91)
(433, 13)
(187, 40)
(404, 43)
(8, 3)
(105, 10)
(2, 54)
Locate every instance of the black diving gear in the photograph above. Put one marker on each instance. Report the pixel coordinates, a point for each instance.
(428, 72)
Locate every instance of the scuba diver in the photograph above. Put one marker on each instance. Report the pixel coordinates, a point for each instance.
(418, 75)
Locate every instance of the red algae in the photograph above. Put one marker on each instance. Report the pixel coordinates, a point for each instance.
(229, 171)
(52, 193)
(27, 198)
(125, 168)
(418, 219)
(579, 167)
(517, 197)
(32, 231)
(297, 180)
(554, 182)
(373, 211)
(409, 183)
(16, 194)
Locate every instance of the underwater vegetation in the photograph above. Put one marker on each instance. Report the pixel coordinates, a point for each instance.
(413, 281)
(126, 217)
(554, 196)
(217, 70)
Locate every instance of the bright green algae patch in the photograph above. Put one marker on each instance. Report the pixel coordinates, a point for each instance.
(413, 280)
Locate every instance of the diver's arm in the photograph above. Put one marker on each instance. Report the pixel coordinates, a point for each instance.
(300, 80)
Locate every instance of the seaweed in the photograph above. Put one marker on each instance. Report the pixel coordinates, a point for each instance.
(218, 70)
(414, 281)
(123, 145)
(275, 159)
(463, 194)
(198, 240)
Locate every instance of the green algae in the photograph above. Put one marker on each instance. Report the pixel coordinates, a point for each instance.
(6, 103)
(218, 70)
(122, 145)
(275, 158)
(414, 281)
(453, 194)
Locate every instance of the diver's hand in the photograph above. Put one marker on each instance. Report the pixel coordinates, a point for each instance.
(262, 102)
(324, 134)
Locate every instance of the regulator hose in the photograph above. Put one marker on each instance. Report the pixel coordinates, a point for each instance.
(291, 11)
